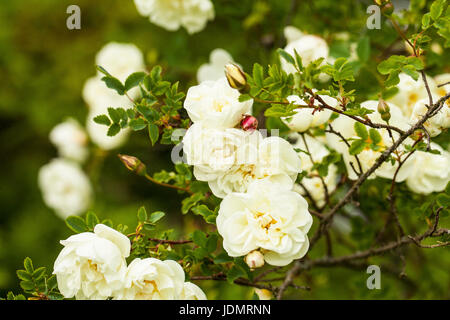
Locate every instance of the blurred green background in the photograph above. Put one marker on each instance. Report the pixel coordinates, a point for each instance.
(43, 66)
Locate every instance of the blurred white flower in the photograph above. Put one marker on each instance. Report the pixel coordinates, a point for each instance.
(367, 157)
(190, 14)
(65, 187)
(70, 139)
(303, 119)
(431, 172)
(98, 133)
(215, 104)
(269, 217)
(120, 59)
(442, 82)
(92, 265)
(192, 292)
(309, 48)
(263, 294)
(99, 97)
(291, 34)
(411, 91)
(215, 69)
(312, 183)
(152, 279)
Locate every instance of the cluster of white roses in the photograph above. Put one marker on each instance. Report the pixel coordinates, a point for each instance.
(423, 172)
(260, 215)
(93, 266)
(172, 14)
(64, 185)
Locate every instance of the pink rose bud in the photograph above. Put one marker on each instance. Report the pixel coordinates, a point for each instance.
(249, 122)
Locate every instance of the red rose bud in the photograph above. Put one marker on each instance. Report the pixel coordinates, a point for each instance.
(133, 164)
(249, 123)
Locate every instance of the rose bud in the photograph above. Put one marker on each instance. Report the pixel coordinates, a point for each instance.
(249, 123)
(133, 164)
(236, 78)
(254, 259)
(383, 110)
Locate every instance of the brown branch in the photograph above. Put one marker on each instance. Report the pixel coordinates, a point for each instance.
(325, 222)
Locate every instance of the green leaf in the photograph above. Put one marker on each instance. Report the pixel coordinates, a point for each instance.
(27, 285)
(113, 130)
(153, 132)
(211, 243)
(39, 273)
(443, 200)
(223, 257)
(205, 212)
(28, 264)
(114, 115)
(363, 49)
(199, 238)
(137, 124)
(286, 56)
(91, 220)
(76, 224)
(191, 201)
(134, 79)
(258, 75)
(156, 216)
(357, 146)
(361, 130)
(235, 273)
(103, 70)
(426, 21)
(115, 84)
(102, 119)
(24, 275)
(375, 136)
(142, 214)
(437, 8)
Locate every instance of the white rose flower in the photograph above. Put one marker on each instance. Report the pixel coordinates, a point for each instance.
(214, 70)
(98, 133)
(190, 14)
(152, 279)
(192, 292)
(70, 139)
(304, 118)
(435, 124)
(269, 217)
(213, 151)
(120, 59)
(308, 47)
(65, 187)
(312, 183)
(92, 265)
(275, 159)
(215, 104)
(368, 157)
(410, 91)
(431, 172)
